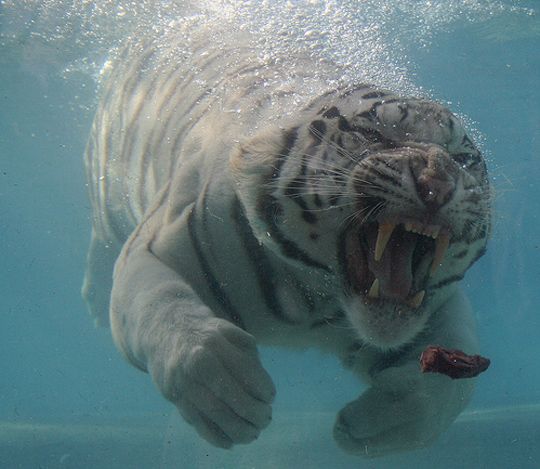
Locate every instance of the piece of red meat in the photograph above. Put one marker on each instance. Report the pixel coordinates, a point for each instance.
(453, 363)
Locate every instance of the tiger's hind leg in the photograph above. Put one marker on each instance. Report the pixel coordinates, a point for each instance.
(97, 284)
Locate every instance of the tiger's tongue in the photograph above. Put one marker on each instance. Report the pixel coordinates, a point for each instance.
(394, 269)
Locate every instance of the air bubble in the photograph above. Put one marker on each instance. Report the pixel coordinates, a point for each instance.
(367, 44)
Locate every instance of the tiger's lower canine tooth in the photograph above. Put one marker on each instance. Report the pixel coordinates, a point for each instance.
(385, 231)
(374, 290)
(417, 299)
(441, 245)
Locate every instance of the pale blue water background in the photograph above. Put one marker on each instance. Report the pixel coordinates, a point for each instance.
(58, 369)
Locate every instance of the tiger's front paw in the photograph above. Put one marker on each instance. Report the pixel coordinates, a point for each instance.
(410, 415)
(379, 423)
(217, 383)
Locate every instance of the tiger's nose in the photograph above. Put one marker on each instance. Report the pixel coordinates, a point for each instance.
(435, 175)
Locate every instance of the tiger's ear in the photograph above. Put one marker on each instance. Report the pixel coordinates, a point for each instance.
(256, 157)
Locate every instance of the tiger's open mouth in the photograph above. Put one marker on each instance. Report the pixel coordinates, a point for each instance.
(392, 262)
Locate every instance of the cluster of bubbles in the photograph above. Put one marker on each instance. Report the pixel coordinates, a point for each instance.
(367, 39)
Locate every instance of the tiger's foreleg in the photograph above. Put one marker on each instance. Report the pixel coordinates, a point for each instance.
(405, 409)
(206, 366)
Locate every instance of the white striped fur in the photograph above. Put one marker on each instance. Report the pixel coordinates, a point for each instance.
(242, 195)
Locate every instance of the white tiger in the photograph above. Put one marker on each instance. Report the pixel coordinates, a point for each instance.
(249, 200)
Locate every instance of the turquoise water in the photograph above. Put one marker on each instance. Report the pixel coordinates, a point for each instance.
(67, 399)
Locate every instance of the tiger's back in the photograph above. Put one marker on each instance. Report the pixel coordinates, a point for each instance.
(158, 104)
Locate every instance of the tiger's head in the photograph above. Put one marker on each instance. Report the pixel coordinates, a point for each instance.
(387, 195)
